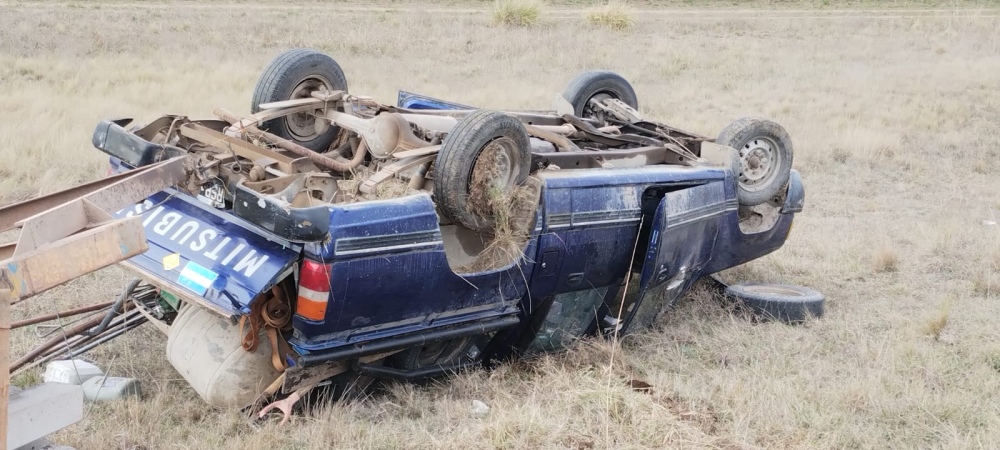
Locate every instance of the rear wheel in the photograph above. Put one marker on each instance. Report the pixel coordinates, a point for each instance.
(484, 157)
(598, 85)
(296, 74)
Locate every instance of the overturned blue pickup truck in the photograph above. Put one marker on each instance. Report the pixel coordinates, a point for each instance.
(327, 240)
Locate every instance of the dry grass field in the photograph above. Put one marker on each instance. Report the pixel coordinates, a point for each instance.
(895, 116)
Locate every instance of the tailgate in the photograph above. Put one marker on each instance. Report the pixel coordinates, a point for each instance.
(206, 255)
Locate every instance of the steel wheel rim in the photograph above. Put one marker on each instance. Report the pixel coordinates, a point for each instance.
(303, 125)
(758, 163)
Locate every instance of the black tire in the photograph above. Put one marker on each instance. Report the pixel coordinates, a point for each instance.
(592, 83)
(783, 302)
(294, 74)
(758, 140)
(457, 161)
(437, 353)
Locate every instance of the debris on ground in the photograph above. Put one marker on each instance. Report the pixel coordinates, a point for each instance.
(104, 388)
(71, 371)
(479, 408)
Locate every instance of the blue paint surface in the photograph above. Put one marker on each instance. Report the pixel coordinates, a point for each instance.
(245, 258)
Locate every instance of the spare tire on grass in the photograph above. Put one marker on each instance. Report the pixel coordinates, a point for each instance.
(487, 154)
(297, 74)
(784, 302)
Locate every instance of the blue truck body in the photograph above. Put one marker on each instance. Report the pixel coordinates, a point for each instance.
(391, 280)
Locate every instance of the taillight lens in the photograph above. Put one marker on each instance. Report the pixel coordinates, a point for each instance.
(314, 291)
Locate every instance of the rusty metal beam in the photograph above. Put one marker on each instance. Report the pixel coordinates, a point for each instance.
(241, 148)
(95, 207)
(17, 212)
(318, 159)
(60, 315)
(7, 250)
(57, 262)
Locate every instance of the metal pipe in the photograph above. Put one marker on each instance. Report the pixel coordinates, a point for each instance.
(365, 349)
(108, 336)
(59, 315)
(72, 341)
(565, 129)
(79, 329)
(115, 309)
(89, 343)
(55, 340)
(559, 140)
(297, 149)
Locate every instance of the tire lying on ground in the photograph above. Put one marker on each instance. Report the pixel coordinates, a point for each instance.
(485, 154)
(597, 85)
(292, 75)
(765, 154)
(783, 302)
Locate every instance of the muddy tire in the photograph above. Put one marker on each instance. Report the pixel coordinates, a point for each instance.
(782, 302)
(597, 83)
(765, 158)
(438, 353)
(295, 74)
(483, 145)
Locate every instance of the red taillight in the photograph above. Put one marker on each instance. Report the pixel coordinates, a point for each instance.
(314, 290)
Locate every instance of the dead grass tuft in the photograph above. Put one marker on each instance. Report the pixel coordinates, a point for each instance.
(392, 188)
(513, 213)
(937, 322)
(885, 259)
(614, 15)
(517, 13)
(985, 282)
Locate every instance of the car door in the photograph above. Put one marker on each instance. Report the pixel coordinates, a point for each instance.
(681, 240)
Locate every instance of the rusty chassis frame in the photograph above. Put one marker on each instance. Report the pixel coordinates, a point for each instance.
(393, 141)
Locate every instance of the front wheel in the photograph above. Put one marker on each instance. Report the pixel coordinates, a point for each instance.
(765, 152)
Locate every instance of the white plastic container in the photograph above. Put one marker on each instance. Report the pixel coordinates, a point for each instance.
(73, 371)
(101, 389)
